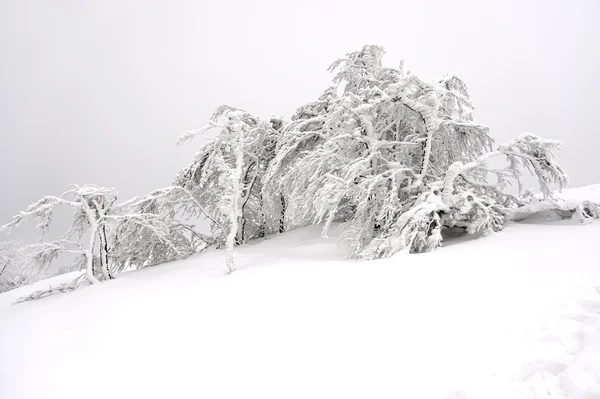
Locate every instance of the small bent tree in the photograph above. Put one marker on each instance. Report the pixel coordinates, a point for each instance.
(226, 175)
(90, 204)
(106, 238)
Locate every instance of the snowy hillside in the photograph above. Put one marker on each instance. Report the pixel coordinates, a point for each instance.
(512, 315)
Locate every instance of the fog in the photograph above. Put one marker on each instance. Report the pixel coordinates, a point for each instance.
(98, 91)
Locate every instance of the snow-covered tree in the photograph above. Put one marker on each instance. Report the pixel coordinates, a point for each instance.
(105, 237)
(396, 159)
(225, 176)
(89, 205)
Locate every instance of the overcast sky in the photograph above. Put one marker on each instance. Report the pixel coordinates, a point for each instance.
(98, 91)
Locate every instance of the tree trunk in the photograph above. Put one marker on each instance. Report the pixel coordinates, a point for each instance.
(240, 239)
(234, 211)
(104, 252)
(241, 235)
(263, 218)
(89, 255)
(282, 217)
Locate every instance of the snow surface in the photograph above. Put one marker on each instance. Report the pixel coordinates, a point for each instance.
(512, 315)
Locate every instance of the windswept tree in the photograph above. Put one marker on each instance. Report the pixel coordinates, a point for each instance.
(90, 205)
(396, 159)
(226, 175)
(105, 237)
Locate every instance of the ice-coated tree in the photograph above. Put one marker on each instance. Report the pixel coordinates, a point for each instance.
(226, 174)
(90, 204)
(396, 159)
(105, 238)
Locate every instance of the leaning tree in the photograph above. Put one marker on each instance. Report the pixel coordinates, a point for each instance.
(226, 175)
(106, 237)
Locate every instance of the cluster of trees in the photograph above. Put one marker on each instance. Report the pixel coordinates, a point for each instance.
(393, 158)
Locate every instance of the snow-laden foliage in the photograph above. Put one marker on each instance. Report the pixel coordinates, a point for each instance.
(105, 238)
(226, 175)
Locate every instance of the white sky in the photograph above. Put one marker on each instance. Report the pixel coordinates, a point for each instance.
(98, 91)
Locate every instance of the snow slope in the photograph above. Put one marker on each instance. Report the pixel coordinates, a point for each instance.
(512, 315)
